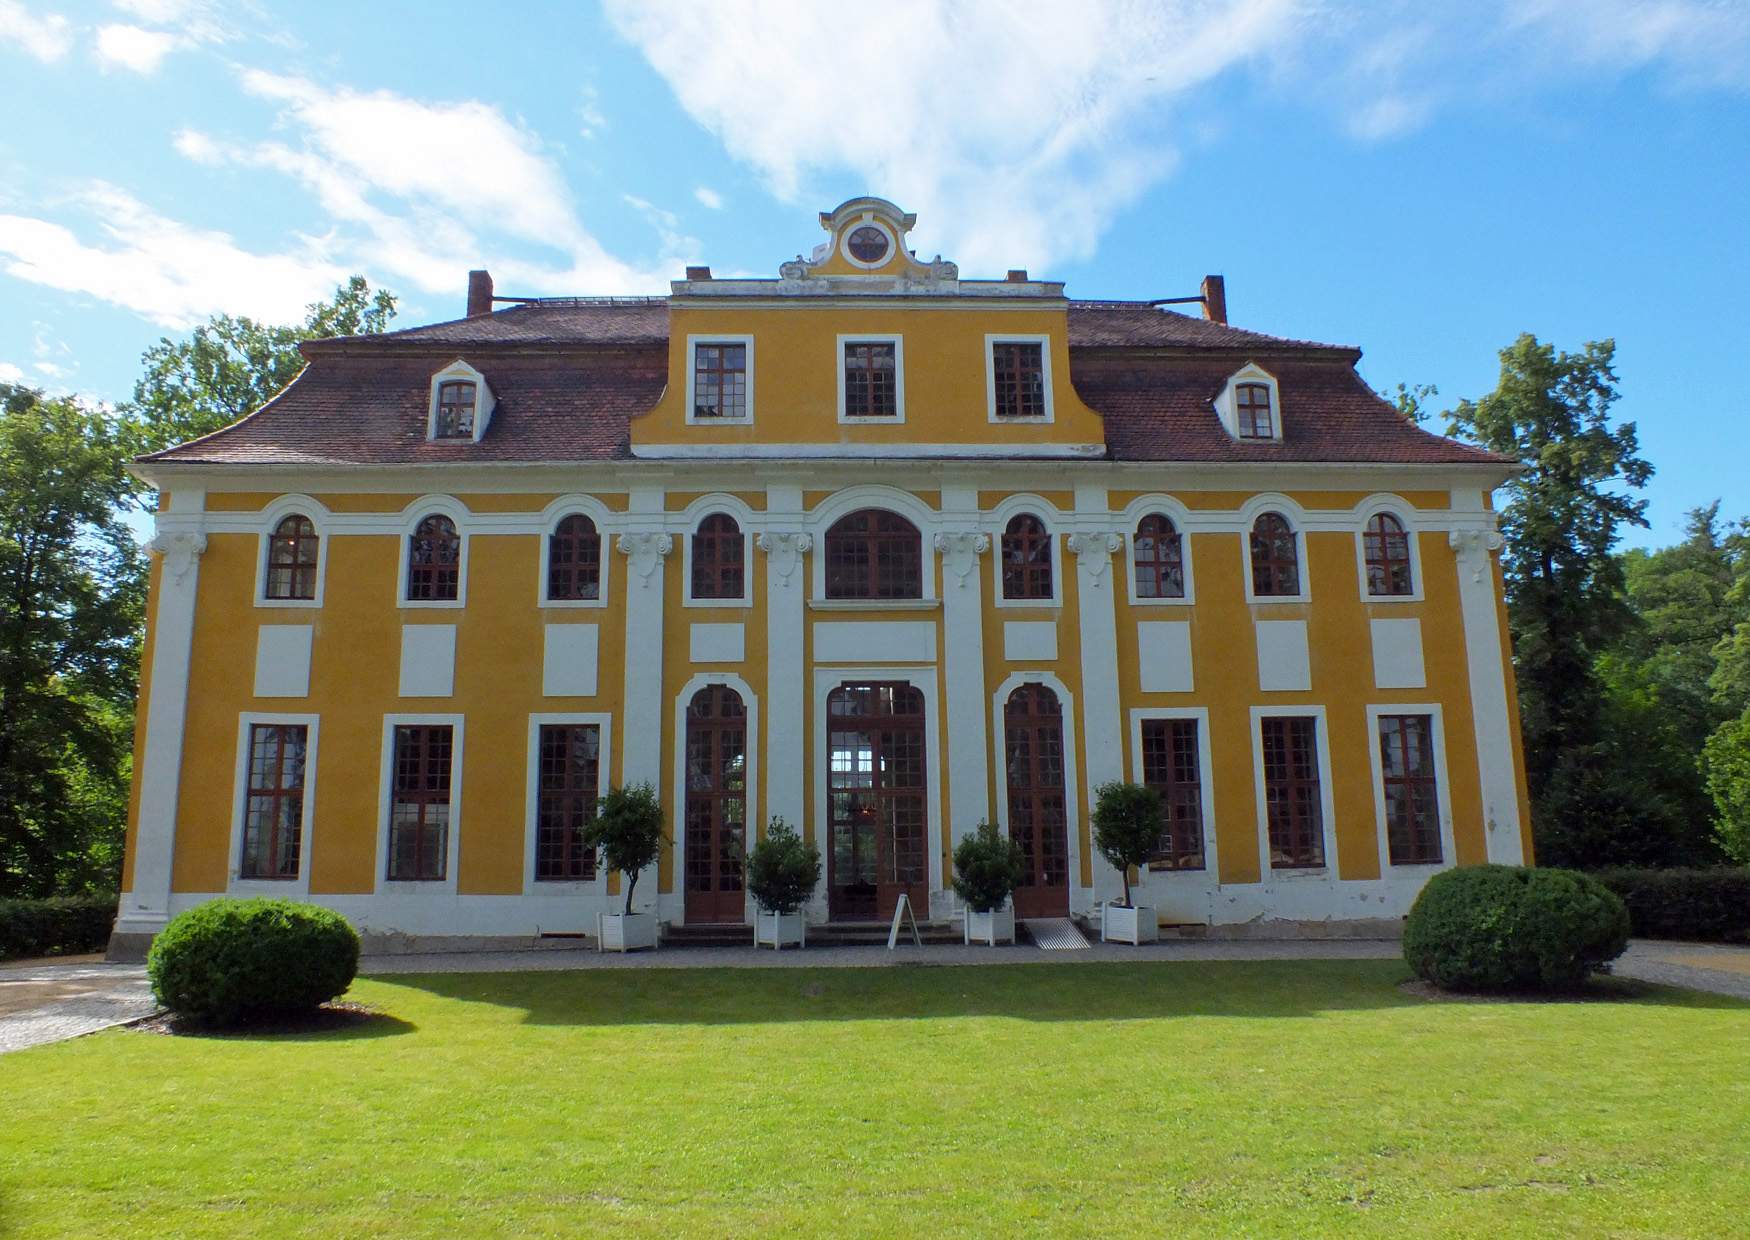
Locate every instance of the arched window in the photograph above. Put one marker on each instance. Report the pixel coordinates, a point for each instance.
(716, 804)
(574, 560)
(291, 559)
(719, 550)
(434, 561)
(1026, 559)
(1386, 549)
(874, 554)
(1033, 759)
(1275, 557)
(455, 410)
(1256, 419)
(1160, 558)
(877, 804)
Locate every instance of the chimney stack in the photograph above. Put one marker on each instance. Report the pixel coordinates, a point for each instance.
(1017, 275)
(1215, 299)
(479, 293)
(698, 273)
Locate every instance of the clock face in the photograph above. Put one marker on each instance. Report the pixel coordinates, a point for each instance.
(867, 244)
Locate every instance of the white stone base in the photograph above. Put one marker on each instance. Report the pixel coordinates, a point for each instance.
(780, 930)
(1137, 925)
(625, 932)
(996, 926)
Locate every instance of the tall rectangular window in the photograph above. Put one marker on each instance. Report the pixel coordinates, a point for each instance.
(1291, 792)
(570, 778)
(871, 379)
(419, 802)
(1171, 766)
(273, 807)
(1018, 378)
(1412, 805)
(719, 380)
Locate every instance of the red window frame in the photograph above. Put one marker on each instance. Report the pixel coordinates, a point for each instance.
(715, 812)
(1026, 552)
(1386, 548)
(1411, 789)
(1160, 558)
(1018, 378)
(1033, 761)
(874, 554)
(1252, 407)
(1293, 805)
(1172, 766)
(719, 569)
(419, 802)
(574, 560)
(569, 783)
(434, 561)
(719, 380)
(291, 559)
(871, 379)
(273, 806)
(456, 407)
(1275, 557)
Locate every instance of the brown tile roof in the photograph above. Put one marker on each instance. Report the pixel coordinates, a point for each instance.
(1136, 324)
(582, 320)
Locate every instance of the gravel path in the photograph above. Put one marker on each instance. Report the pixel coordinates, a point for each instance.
(42, 1002)
(1698, 966)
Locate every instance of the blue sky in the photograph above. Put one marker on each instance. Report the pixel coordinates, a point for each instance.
(1424, 180)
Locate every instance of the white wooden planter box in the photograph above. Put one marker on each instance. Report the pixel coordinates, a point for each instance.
(624, 932)
(1128, 925)
(779, 930)
(996, 926)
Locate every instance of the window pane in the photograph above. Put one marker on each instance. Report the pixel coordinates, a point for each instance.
(274, 801)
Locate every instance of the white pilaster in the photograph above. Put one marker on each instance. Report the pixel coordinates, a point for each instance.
(786, 580)
(1094, 543)
(968, 729)
(145, 907)
(1503, 830)
(645, 550)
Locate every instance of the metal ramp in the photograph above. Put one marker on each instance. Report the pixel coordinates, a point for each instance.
(1054, 934)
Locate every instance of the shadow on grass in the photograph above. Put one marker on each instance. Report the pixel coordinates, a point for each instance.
(1034, 992)
(332, 1022)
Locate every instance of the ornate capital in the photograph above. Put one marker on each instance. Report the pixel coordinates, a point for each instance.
(1474, 548)
(784, 549)
(180, 548)
(1093, 550)
(644, 551)
(960, 550)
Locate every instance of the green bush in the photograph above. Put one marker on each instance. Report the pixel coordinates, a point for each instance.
(988, 866)
(627, 830)
(783, 869)
(1127, 826)
(58, 926)
(1702, 905)
(1497, 927)
(230, 961)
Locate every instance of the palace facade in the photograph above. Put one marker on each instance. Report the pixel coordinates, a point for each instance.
(870, 547)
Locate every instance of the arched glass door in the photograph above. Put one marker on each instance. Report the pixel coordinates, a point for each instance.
(877, 793)
(716, 811)
(1038, 806)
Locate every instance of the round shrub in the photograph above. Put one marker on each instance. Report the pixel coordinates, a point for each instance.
(1497, 927)
(230, 961)
(988, 866)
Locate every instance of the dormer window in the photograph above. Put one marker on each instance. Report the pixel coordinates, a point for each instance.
(720, 379)
(455, 412)
(461, 404)
(867, 244)
(1018, 378)
(1250, 405)
(1257, 419)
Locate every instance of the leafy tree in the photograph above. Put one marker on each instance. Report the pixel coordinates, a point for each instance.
(627, 830)
(1127, 826)
(1726, 762)
(71, 602)
(231, 366)
(1411, 400)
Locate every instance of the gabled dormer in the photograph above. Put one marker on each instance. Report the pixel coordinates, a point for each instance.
(1250, 405)
(461, 404)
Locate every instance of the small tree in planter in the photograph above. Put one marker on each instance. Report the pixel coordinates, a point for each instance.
(782, 872)
(988, 866)
(1127, 825)
(627, 831)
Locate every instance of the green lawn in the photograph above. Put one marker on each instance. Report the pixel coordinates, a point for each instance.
(1289, 1098)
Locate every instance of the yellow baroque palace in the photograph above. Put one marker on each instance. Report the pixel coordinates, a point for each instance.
(869, 547)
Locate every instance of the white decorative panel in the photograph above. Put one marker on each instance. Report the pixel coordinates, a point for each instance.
(875, 641)
(719, 643)
(1282, 658)
(568, 660)
(1164, 651)
(1029, 641)
(1397, 654)
(428, 660)
(282, 660)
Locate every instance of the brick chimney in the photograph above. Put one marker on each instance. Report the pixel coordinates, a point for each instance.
(1215, 299)
(479, 293)
(698, 273)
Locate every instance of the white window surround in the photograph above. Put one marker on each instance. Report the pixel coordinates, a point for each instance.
(867, 220)
(606, 523)
(1327, 809)
(1250, 511)
(999, 517)
(854, 499)
(421, 508)
(751, 811)
(898, 343)
(1072, 800)
(1396, 506)
(484, 401)
(281, 508)
(693, 343)
(990, 377)
(1227, 403)
(383, 884)
(1442, 786)
(1205, 778)
(299, 886)
(746, 518)
(597, 886)
(1179, 515)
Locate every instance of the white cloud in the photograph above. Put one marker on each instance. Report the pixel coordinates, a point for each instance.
(45, 38)
(1702, 43)
(135, 48)
(10, 373)
(591, 120)
(709, 197)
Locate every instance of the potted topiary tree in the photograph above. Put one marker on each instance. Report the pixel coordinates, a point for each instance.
(782, 872)
(627, 831)
(988, 866)
(1127, 826)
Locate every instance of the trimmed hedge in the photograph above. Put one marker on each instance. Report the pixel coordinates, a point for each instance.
(59, 926)
(1497, 927)
(226, 962)
(1703, 905)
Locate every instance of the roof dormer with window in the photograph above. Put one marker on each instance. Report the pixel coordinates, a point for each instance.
(461, 405)
(1250, 405)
